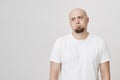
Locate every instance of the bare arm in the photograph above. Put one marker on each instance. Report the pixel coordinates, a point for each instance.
(54, 70)
(105, 71)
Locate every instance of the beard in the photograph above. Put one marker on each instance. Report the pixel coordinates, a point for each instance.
(79, 30)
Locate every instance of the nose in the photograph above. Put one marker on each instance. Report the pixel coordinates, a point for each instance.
(77, 21)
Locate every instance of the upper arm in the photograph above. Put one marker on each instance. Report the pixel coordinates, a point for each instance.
(105, 70)
(54, 69)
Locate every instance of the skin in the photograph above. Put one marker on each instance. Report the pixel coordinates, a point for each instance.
(78, 19)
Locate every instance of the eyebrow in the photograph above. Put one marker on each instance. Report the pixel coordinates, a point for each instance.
(77, 17)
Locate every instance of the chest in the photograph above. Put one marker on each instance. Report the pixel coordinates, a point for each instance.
(83, 52)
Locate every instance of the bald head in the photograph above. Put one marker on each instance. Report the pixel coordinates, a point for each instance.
(77, 10)
(78, 20)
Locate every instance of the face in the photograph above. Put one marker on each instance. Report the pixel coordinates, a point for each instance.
(78, 20)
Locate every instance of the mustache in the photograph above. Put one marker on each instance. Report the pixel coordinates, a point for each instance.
(78, 26)
(79, 30)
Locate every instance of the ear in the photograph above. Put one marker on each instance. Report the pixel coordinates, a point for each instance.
(87, 19)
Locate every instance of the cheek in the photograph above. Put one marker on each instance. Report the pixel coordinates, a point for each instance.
(84, 22)
(72, 24)
(73, 27)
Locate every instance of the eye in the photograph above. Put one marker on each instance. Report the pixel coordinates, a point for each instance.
(80, 17)
(72, 19)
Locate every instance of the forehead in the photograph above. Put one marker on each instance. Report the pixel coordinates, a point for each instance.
(77, 12)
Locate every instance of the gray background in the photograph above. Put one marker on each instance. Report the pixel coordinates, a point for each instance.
(28, 29)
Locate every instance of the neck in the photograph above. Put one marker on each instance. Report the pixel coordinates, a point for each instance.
(80, 36)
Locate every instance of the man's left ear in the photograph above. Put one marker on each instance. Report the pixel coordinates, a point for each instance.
(88, 19)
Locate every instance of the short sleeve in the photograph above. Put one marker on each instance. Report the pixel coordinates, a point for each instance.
(56, 52)
(105, 54)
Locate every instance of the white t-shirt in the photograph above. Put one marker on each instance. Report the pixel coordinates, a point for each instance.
(80, 59)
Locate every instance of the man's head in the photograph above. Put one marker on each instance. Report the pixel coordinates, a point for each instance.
(78, 20)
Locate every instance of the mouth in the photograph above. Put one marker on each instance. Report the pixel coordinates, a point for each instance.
(78, 27)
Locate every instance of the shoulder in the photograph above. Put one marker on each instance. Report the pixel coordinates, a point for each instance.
(60, 41)
(99, 41)
(97, 38)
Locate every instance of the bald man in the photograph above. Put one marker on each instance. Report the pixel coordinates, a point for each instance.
(79, 55)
